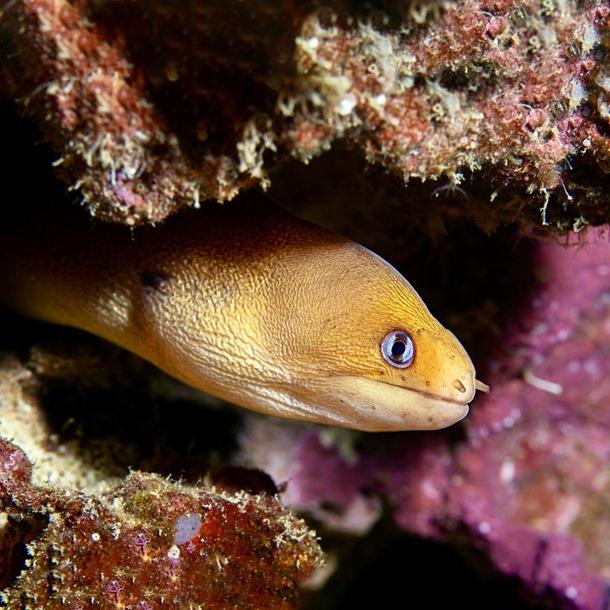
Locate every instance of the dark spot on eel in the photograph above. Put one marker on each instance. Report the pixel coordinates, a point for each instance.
(152, 279)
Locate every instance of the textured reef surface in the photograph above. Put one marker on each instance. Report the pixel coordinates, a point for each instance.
(468, 143)
(149, 109)
(146, 543)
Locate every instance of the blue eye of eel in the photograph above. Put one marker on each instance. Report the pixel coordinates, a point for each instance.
(397, 349)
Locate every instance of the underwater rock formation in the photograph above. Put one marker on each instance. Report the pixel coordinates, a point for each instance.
(150, 110)
(146, 543)
(151, 106)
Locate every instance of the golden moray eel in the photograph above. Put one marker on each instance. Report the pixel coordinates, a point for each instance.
(252, 305)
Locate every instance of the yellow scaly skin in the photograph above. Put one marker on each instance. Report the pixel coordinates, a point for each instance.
(252, 305)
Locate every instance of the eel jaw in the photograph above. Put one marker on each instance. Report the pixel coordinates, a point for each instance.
(376, 406)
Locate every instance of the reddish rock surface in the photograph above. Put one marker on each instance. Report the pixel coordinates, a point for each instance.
(147, 543)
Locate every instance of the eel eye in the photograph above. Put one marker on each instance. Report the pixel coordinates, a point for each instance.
(397, 348)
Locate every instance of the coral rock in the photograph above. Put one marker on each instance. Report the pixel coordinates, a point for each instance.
(150, 543)
(153, 105)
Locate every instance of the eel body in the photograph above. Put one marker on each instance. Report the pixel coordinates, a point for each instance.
(252, 305)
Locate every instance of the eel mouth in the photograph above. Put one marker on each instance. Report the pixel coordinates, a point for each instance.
(377, 406)
(464, 400)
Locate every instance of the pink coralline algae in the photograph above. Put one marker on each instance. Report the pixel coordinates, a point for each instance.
(528, 485)
(128, 548)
